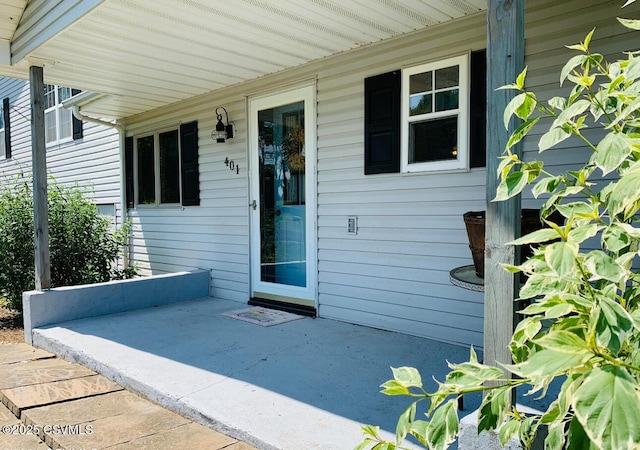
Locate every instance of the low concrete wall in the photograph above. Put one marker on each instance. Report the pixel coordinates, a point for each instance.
(77, 302)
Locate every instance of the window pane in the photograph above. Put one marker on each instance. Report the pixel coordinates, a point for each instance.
(63, 93)
(2, 149)
(66, 126)
(447, 77)
(420, 82)
(169, 168)
(49, 96)
(50, 126)
(146, 171)
(419, 104)
(433, 140)
(447, 100)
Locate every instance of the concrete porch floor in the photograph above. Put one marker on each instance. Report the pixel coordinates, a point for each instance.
(305, 384)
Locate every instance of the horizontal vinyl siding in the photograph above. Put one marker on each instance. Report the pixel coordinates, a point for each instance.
(92, 162)
(394, 273)
(214, 235)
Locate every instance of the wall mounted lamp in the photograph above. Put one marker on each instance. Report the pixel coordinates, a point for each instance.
(223, 130)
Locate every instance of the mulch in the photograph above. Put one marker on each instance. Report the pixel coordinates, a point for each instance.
(11, 330)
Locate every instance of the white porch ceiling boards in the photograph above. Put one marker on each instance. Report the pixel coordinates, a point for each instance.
(148, 53)
(10, 13)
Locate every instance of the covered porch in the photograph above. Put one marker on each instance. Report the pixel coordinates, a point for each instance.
(308, 383)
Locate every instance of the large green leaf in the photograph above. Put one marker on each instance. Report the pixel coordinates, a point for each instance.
(542, 235)
(577, 439)
(570, 65)
(560, 256)
(548, 363)
(512, 185)
(510, 429)
(404, 423)
(613, 324)
(612, 150)
(546, 186)
(551, 138)
(570, 112)
(443, 426)
(624, 195)
(607, 404)
(522, 131)
(555, 436)
(603, 266)
(563, 342)
(408, 376)
(582, 233)
(512, 106)
(469, 374)
(633, 24)
(494, 408)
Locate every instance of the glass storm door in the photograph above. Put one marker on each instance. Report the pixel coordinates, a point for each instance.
(283, 217)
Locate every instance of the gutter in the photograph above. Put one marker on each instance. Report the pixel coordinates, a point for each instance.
(87, 97)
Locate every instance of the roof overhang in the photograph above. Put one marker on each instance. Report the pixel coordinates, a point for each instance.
(144, 54)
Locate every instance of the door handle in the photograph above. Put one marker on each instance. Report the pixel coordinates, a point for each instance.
(278, 212)
(253, 204)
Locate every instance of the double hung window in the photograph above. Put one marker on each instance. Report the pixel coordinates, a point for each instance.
(435, 116)
(58, 121)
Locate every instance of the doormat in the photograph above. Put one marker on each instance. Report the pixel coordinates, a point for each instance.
(262, 316)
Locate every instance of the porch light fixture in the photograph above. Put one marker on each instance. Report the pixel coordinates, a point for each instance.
(223, 130)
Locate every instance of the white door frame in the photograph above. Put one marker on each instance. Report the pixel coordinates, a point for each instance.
(272, 291)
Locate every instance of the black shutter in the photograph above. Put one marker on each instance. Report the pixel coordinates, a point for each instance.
(7, 127)
(189, 164)
(128, 171)
(77, 123)
(382, 123)
(478, 109)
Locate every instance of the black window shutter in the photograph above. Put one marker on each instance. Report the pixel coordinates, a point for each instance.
(7, 127)
(128, 171)
(189, 164)
(382, 123)
(478, 109)
(77, 123)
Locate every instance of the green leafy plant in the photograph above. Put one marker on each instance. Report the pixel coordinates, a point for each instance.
(583, 324)
(83, 247)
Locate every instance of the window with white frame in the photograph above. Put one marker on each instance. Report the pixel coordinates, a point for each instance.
(158, 168)
(435, 116)
(57, 120)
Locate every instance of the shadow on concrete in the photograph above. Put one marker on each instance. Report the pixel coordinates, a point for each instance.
(306, 384)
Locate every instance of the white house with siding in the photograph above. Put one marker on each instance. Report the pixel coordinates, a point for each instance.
(358, 139)
(77, 152)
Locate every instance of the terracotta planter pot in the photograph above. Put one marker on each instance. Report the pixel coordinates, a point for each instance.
(475, 223)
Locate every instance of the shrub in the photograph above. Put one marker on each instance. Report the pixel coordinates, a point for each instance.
(82, 246)
(583, 325)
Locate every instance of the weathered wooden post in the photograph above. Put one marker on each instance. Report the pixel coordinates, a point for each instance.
(40, 207)
(505, 57)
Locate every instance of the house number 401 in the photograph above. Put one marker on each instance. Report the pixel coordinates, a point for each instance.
(232, 165)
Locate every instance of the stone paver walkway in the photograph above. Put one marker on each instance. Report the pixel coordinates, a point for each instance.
(46, 402)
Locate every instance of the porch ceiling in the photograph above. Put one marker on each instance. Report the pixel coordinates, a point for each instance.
(144, 54)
